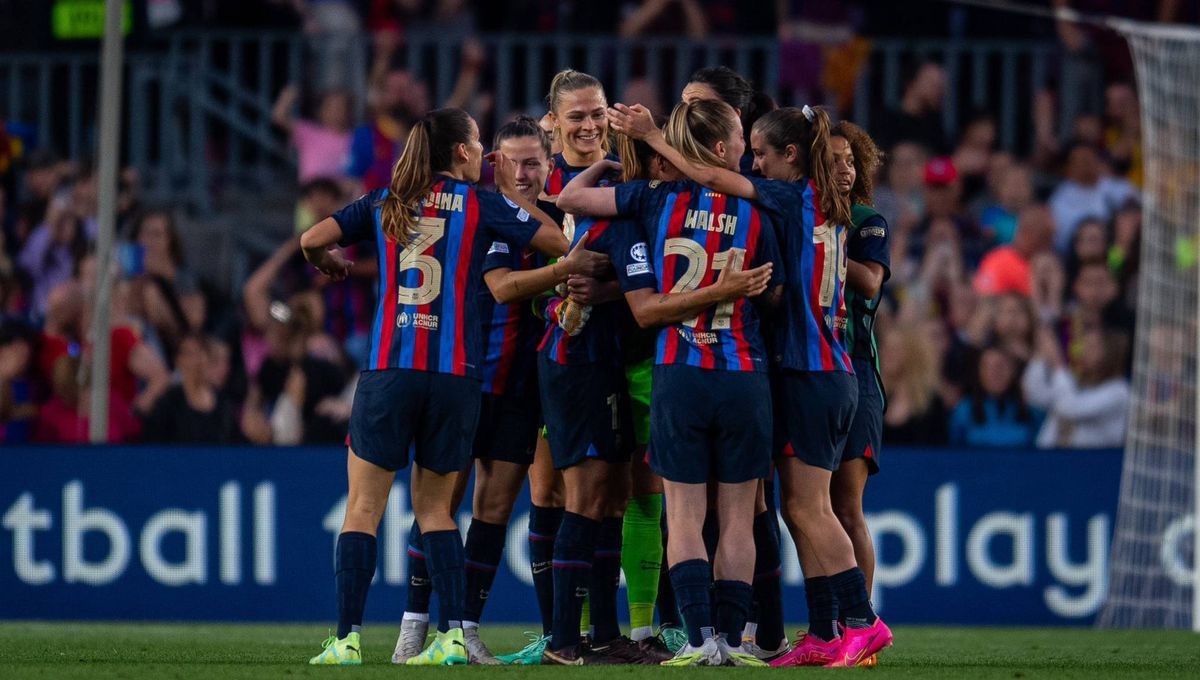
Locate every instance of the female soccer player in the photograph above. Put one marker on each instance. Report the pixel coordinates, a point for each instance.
(422, 387)
(814, 390)
(510, 416)
(727, 85)
(855, 160)
(711, 395)
(585, 403)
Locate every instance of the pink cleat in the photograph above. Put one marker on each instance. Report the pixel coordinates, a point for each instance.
(860, 644)
(809, 650)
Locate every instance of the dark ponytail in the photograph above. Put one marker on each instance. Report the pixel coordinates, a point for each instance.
(429, 149)
(809, 130)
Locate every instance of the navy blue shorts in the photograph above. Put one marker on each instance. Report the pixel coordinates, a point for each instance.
(508, 427)
(866, 431)
(586, 408)
(813, 412)
(434, 413)
(710, 425)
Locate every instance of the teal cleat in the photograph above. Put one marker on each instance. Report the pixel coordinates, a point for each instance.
(673, 638)
(530, 654)
(335, 652)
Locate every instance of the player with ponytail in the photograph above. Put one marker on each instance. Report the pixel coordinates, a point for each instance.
(814, 391)
(421, 388)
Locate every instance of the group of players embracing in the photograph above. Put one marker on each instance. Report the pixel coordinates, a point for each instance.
(679, 318)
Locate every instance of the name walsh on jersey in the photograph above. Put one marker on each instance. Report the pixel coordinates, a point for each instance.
(706, 221)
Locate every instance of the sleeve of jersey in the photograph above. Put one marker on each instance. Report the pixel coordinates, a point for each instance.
(775, 195)
(632, 197)
(357, 220)
(501, 255)
(869, 243)
(505, 220)
(630, 257)
(768, 251)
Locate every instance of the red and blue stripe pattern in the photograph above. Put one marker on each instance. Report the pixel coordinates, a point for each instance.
(510, 335)
(810, 335)
(599, 341)
(427, 317)
(720, 338)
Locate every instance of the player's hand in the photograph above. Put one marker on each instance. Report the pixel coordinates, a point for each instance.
(334, 265)
(506, 171)
(571, 316)
(635, 121)
(583, 289)
(583, 262)
(734, 282)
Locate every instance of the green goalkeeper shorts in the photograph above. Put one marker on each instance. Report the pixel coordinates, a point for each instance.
(638, 377)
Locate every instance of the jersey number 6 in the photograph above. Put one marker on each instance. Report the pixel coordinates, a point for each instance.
(697, 267)
(430, 230)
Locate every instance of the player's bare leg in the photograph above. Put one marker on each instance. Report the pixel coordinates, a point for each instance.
(846, 492)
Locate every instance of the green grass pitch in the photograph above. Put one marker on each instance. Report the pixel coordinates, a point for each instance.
(91, 650)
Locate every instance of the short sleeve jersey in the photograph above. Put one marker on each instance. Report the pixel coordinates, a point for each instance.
(691, 233)
(808, 333)
(427, 317)
(600, 339)
(510, 331)
(868, 242)
(562, 174)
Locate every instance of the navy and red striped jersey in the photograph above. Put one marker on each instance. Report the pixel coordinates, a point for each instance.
(427, 317)
(510, 331)
(692, 232)
(561, 174)
(600, 339)
(809, 335)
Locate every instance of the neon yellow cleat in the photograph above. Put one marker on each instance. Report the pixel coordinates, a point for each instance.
(335, 652)
(447, 649)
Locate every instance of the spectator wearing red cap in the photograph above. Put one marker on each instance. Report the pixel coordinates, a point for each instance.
(943, 203)
(1006, 269)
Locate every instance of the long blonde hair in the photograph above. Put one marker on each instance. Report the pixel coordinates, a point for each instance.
(429, 149)
(693, 129)
(792, 126)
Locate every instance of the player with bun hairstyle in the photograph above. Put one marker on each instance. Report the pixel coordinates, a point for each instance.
(711, 394)
(856, 159)
(510, 416)
(727, 85)
(422, 385)
(814, 389)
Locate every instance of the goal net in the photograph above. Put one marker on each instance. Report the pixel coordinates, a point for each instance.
(1152, 565)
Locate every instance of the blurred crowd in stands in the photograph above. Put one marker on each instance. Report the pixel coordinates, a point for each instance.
(1007, 321)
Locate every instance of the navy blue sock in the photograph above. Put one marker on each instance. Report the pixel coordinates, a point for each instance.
(420, 588)
(733, 605)
(573, 551)
(822, 607)
(354, 568)
(485, 546)
(606, 580)
(444, 555)
(668, 611)
(692, 581)
(768, 595)
(543, 528)
(854, 602)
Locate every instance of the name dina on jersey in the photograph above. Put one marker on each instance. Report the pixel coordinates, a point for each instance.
(444, 201)
(707, 221)
(428, 322)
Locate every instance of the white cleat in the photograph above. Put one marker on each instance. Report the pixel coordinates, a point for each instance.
(411, 640)
(477, 652)
(768, 655)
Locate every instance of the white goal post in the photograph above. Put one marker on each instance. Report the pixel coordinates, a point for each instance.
(1154, 568)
